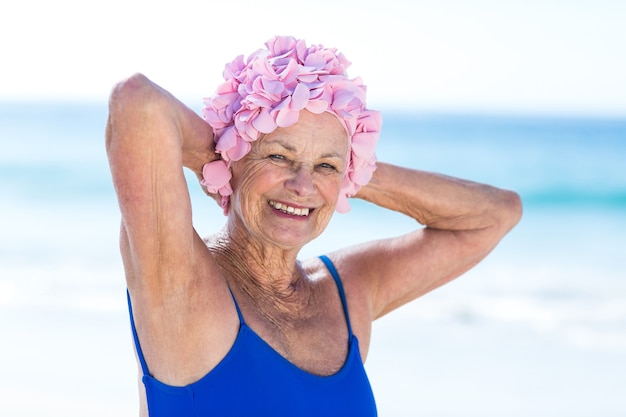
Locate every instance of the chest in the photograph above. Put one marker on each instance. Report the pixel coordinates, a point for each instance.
(317, 343)
(253, 379)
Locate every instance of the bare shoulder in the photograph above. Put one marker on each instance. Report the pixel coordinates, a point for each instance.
(357, 299)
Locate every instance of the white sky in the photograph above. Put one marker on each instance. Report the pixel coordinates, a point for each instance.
(557, 56)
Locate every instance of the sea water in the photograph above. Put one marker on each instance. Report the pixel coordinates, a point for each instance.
(538, 328)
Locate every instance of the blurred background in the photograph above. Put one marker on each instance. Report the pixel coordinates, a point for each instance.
(527, 95)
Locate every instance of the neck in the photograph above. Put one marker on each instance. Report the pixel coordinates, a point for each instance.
(267, 275)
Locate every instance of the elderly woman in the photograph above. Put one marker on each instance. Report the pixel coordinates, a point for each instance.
(235, 324)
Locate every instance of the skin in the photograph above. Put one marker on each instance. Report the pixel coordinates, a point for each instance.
(179, 283)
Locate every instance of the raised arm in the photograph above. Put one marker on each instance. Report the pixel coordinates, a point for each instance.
(150, 136)
(463, 222)
(179, 299)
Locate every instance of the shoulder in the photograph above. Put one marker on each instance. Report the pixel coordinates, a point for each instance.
(356, 295)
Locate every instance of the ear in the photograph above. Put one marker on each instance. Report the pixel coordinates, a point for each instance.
(225, 204)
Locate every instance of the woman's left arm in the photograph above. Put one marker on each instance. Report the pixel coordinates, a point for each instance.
(463, 222)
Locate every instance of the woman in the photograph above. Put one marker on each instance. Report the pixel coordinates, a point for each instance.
(234, 324)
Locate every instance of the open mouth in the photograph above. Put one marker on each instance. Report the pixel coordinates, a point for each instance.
(295, 211)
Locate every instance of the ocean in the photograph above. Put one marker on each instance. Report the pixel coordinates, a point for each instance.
(538, 328)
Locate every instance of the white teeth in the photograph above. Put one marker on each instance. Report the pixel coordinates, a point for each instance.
(288, 209)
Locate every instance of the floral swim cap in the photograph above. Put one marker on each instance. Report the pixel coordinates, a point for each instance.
(269, 89)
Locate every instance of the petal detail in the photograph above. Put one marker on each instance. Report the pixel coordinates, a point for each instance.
(216, 177)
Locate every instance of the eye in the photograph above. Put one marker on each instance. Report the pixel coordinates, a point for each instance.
(327, 167)
(276, 157)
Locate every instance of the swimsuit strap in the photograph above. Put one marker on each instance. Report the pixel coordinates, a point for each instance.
(241, 320)
(333, 271)
(142, 360)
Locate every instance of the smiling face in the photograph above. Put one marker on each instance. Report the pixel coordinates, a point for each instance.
(286, 188)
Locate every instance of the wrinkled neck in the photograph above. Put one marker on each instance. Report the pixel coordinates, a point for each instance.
(269, 275)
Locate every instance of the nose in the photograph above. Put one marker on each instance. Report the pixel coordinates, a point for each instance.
(301, 181)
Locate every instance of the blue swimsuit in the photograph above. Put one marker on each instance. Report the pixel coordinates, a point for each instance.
(255, 380)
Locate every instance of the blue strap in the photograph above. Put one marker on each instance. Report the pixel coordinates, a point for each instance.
(142, 360)
(241, 321)
(333, 271)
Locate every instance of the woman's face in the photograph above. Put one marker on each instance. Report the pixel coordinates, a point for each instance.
(286, 187)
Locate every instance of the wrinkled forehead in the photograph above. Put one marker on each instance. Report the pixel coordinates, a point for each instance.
(325, 132)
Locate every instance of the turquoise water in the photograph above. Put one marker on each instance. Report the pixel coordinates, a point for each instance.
(538, 328)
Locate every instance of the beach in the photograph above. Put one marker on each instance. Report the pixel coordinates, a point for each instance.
(538, 328)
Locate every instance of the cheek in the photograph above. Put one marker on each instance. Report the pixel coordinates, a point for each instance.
(330, 187)
(248, 183)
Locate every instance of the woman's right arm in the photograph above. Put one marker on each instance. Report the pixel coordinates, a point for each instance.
(179, 300)
(150, 136)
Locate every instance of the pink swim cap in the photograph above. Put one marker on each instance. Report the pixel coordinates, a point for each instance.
(269, 89)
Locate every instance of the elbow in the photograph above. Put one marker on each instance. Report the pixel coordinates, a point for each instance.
(512, 209)
(129, 92)
(131, 101)
(136, 81)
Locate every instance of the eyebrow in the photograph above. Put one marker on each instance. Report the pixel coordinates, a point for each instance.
(333, 155)
(283, 144)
